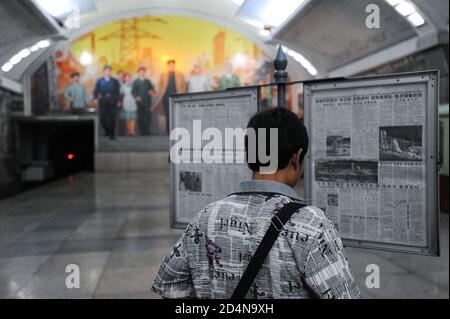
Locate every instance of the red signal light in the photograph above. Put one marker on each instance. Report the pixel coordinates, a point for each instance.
(70, 156)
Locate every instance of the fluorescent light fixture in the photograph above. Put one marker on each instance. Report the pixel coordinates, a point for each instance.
(43, 44)
(409, 11)
(86, 58)
(394, 2)
(34, 48)
(7, 67)
(238, 2)
(405, 8)
(56, 8)
(301, 59)
(416, 19)
(24, 53)
(15, 59)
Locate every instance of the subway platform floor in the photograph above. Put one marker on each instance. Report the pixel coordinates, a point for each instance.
(115, 227)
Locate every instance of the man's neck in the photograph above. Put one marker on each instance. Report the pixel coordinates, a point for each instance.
(279, 177)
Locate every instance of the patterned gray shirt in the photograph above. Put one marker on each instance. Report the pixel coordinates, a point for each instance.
(306, 261)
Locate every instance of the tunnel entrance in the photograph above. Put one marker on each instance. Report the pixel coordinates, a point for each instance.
(71, 148)
(53, 148)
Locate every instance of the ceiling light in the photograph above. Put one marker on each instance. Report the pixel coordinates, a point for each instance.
(7, 67)
(238, 2)
(301, 59)
(394, 2)
(405, 8)
(43, 44)
(15, 59)
(56, 8)
(24, 53)
(408, 10)
(416, 19)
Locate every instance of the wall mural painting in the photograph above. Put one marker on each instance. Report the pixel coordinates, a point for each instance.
(203, 55)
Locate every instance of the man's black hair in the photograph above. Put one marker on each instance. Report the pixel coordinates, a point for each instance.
(292, 135)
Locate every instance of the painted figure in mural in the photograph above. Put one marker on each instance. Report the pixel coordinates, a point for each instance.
(229, 79)
(198, 82)
(107, 95)
(170, 82)
(75, 94)
(120, 122)
(143, 90)
(120, 76)
(129, 106)
(215, 86)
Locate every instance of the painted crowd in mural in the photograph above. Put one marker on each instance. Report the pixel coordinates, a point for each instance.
(148, 59)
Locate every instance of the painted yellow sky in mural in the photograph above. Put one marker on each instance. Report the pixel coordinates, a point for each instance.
(151, 41)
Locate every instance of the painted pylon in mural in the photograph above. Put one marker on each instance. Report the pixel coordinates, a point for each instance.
(129, 35)
(219, 49)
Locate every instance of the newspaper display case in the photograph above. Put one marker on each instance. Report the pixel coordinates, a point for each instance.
(373, 161)
(194, 183)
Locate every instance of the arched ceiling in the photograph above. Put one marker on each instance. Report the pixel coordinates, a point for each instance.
(222, 12)
(329, 33)
(333, 34)
(334, 37)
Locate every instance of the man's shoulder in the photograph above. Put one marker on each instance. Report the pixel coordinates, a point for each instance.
(312, 220)
(313, 212)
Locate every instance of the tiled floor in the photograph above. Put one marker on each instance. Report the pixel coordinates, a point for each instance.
(135, 143)
(115, 227)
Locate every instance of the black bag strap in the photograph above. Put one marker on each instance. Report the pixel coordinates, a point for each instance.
(275, 227)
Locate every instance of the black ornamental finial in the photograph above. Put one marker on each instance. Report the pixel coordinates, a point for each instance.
(280, 63)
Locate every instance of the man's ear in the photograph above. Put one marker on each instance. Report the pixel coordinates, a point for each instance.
(295, 159)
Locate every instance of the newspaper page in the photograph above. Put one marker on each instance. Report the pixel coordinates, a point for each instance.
(368, 170)
(197, 184)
